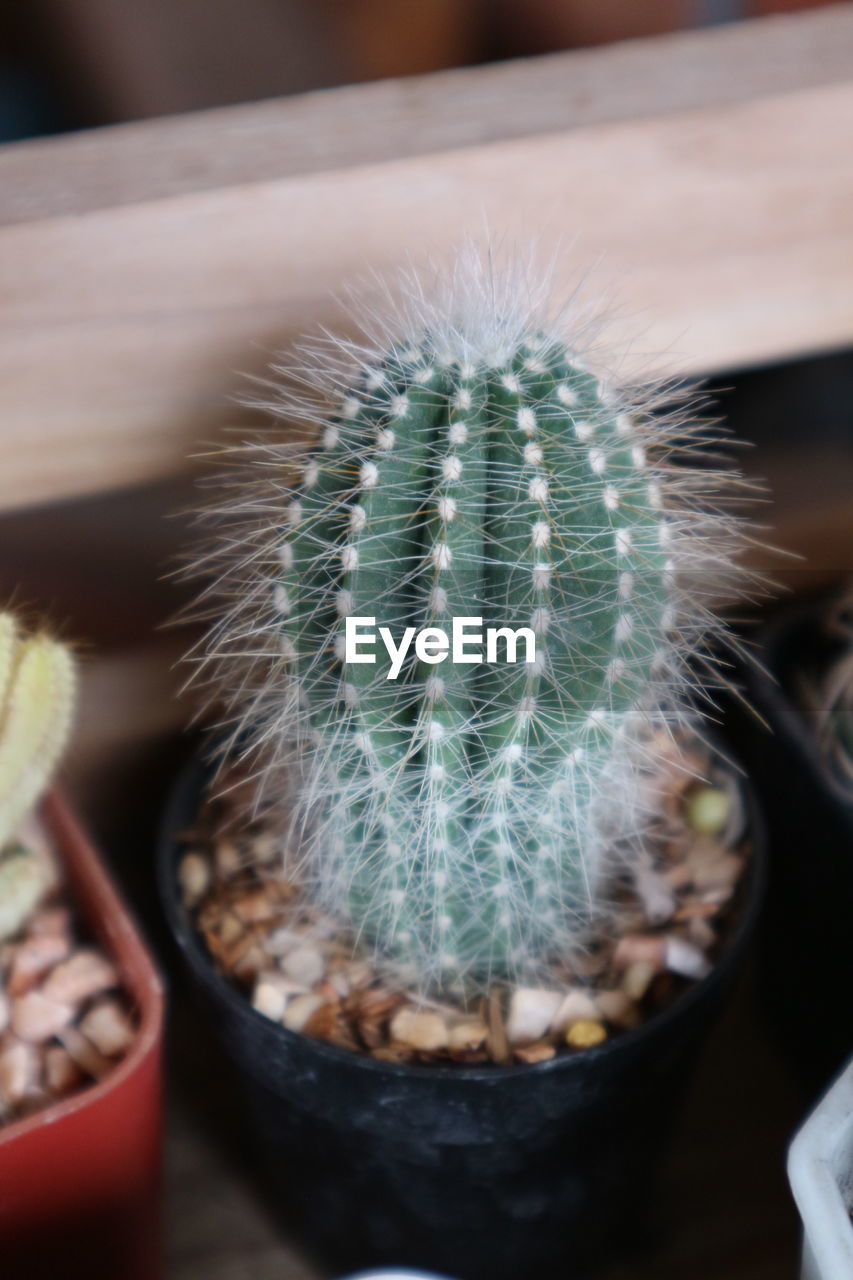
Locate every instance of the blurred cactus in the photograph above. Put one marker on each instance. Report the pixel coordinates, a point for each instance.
(465, 819)
(36, 703)
(832, 703)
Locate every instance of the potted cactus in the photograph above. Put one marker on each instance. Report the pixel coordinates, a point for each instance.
(80, 1010)
(804, 691)
(466, 887)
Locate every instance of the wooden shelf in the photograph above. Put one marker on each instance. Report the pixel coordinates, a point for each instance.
(708, 176)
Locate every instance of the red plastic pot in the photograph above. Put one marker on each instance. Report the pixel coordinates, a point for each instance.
(80, 1180)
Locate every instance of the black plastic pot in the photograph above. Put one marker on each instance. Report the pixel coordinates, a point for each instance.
(806, 951)
(479, 1173)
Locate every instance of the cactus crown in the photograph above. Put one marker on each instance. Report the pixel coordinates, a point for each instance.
(464, 818)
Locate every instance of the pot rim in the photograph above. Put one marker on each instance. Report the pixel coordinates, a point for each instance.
(754, 884)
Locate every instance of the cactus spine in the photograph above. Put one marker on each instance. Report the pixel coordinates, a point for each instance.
(463, 818)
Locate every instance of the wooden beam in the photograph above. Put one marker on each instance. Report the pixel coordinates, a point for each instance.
(718, 217)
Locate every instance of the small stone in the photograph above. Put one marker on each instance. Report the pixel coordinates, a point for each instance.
(704, 851)
(723, 873)
(247, 960)
(374, 1004)
(617, 1008)
(282, 940)
(358, 973)
(194, 878)
(592, 964)
(61, 1073)
(304, 964)
(55, 921)
(269, 1000)
(497, 1043)
(708, 810)
(684, 958)
(419, 1029)
(576, 1006)
(340, 984)
(324, 1023)
(370, 1009)
(299, 1010)
(89, 1059)
(396, 1053)
(109, 1028)
(230, 929)
(226, 857)
(465, 1037)
(327, 990)
(585, 1035)
(696, 908)
(678, 876)
(638, 948)
(256, 907)
(282, 983)
(531, 1010)
(701, 933)
(265, 849)
(32, 959)
(339, 1032)
(718, 898)
(19, 1072)
(36, 1018)
(656, 894)
(540, 1051)
(638, 978)
(85, 974)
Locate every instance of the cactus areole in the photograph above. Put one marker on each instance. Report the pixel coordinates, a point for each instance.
(463, 806)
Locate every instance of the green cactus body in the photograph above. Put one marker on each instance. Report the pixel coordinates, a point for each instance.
(455, 801)
(463, 817)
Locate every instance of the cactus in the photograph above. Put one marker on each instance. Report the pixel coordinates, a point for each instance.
(464, 819)
(36, 703)
(832, 702)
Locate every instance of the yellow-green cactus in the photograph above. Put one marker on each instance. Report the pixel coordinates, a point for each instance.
(36, 704)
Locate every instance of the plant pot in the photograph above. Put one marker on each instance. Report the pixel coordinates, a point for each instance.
(806, 956)
(820, 1169)
(475, 1172)
(80, 1180)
